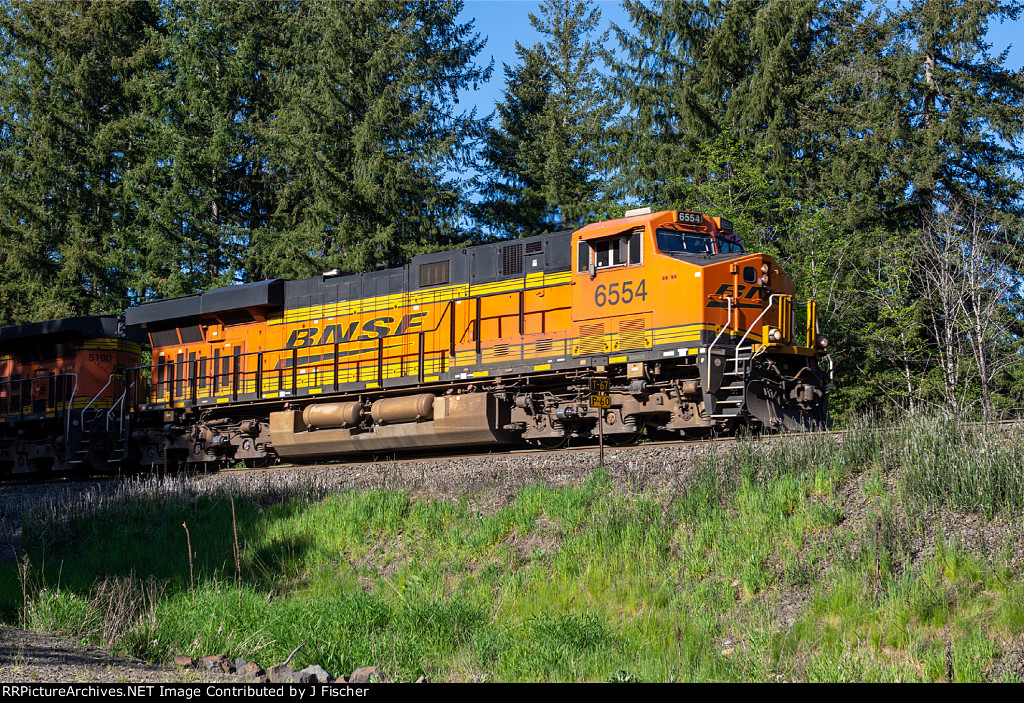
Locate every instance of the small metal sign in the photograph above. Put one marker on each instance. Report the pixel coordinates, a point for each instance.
(599, 398)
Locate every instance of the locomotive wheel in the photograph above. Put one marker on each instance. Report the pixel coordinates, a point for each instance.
(551, 442)
(621, 440)
(656, 435)
(41, 468)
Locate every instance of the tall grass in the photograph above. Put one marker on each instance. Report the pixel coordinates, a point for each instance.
(799, 558)
(977, 468)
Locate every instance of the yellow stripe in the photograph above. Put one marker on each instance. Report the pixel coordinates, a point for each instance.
(542, 367)
(403, 300)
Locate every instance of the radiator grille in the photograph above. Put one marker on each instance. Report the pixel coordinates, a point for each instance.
(512, 259)
(534, 247)
(632, 334)
(592, 339)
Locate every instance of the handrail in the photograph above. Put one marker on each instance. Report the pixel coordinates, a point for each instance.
(117, 402)
(771, 302)
(243, 378)
(728, 321)
(95, 397)
(67, 412)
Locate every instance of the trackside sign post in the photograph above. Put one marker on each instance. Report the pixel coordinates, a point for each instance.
(600, 399)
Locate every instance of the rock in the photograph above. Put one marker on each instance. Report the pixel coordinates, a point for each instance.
(367, 674)
(251, 670)
(261, 679)
(280, 673)
(422, 679)
(184, 660)
(313, 674)
(240, 664)
(217, 662)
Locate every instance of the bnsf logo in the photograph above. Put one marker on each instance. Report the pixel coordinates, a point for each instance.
(761, 292)
(376, 328)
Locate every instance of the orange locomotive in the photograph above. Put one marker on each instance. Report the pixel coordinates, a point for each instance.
(62, 393)
(486, 345)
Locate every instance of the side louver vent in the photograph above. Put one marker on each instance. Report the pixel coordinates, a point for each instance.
(544, 346)
(592, 339)
(632, 334)
(534, 247)
(512, 260)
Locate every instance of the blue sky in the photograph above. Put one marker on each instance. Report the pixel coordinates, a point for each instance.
(502, 22)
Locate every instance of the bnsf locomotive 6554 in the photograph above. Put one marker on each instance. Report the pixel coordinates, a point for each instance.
(481, 346)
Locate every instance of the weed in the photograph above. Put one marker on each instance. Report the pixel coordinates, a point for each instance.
(759, 565)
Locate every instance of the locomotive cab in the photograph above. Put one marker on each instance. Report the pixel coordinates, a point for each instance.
(673, 300)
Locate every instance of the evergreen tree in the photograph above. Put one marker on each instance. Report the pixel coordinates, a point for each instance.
(367, 143)
(689, 71)
(544, 170)
(513, 195)
(72, 77)
(943, 122)
(215, 102)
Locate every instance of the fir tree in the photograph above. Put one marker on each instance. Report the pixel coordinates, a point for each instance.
(368, 142)
(544, 170)
(72, 79)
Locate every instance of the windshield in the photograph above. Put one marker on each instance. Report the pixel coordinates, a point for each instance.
(671, 242)
(727, 247)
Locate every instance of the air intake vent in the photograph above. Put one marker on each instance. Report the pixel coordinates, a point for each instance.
(592, 339)
(543, 346)
(434, 274)
(632, 334)
(534, 247)
(512, 260)
(501, 350)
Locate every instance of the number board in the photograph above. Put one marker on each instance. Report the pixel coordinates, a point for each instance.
(599, 397)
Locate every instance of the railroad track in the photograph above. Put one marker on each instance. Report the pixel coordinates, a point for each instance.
(400, 460)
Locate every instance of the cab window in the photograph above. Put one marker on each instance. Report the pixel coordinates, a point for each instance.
(727, 247)
(620, 250)
(676, 242)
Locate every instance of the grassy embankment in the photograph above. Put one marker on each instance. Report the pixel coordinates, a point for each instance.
(810, 558)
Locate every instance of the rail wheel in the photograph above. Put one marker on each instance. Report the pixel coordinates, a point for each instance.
(551, 442)
(623, 439)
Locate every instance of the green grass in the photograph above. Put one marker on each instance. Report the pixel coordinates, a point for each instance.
(809, 558)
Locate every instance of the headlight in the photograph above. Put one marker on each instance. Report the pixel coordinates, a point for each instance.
(822, 341)
(764, 268)
(775, 334)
